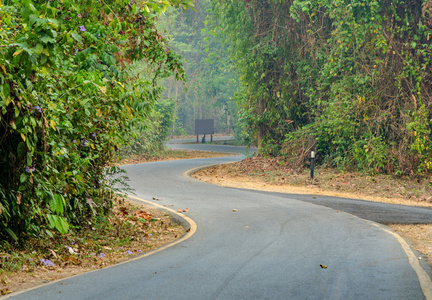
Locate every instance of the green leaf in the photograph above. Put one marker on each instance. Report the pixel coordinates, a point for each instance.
(11, 233)
(77, 37)
(134, 9)
(54, 22)
(49, 233)
(5, 91)
(24, 177)
(58, 223)
(56, 203)
(47, 39)
(32, 19)
(38, 49)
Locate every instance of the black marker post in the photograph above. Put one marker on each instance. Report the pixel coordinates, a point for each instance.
(312, 163)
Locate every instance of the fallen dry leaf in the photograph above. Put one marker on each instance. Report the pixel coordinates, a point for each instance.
(53, 253)
(323, 266)
(142, 214)
(182, 210)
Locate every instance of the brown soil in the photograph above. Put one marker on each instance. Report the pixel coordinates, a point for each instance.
(171, 155)
(273, 175)
(134, 230)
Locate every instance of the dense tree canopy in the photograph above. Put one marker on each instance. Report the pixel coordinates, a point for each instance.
(211, 79)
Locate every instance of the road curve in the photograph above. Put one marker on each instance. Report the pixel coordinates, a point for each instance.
(272, 247)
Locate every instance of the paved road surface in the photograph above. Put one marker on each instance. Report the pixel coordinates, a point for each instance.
(271, 248)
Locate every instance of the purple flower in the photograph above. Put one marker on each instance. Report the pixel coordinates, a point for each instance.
(76, 51)
(139, 251)
(80, 16)
(38, 108)
(129, 252)
(47, 262)
(121, 248)
(74, 141)
(101, 255)
(93, 134)
(85, 143)
(423, 68)
(121, 32)
(98, 35)
(30, 170)
(82, 28)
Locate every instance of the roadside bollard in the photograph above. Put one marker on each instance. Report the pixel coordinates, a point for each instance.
(312, 163)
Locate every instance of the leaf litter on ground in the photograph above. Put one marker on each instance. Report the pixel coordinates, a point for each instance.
(129, 231)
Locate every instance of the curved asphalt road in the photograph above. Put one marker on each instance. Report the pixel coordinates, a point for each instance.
(271, 248)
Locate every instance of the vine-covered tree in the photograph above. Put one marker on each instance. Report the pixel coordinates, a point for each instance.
(349, 78)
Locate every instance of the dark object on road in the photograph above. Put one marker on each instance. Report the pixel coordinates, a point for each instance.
(204, 126)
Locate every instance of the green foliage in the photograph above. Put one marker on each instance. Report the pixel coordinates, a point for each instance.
(212, 81)
(152, 134)
(353, 75)
(68, 99)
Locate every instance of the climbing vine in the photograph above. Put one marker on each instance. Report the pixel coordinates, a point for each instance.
(348, 78)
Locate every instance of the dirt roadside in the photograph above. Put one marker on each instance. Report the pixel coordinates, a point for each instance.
(270, 175)
(148, 228)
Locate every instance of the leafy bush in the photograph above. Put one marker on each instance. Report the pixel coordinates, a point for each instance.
(68, 99)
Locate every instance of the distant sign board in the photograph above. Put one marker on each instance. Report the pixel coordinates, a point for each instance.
(204, 126)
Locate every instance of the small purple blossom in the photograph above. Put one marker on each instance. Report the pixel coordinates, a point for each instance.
(38, 108)
(129, 252)
(121, 32)
(82, 28)
(74, 141)
(101, 255)
(76, 51)
(139, 251)
(98, 35)
(423, 68)
(121, 248)
(85, 143)
(93, 134)
(30, 169)
(80, 16)
(47, 262)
